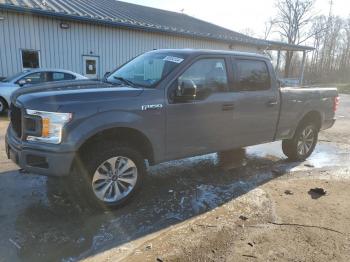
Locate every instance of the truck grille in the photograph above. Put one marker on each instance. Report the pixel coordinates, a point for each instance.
(16, 119)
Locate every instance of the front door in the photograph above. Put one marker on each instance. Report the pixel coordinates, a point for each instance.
(91, 66)
(199, 125)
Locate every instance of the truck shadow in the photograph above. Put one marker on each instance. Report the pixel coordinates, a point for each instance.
(49, 226)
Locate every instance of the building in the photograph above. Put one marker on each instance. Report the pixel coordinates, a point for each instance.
(93, 37)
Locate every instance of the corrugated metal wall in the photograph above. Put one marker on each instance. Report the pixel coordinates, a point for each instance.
(64, 48)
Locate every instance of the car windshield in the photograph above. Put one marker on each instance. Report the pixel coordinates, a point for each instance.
(146, 70)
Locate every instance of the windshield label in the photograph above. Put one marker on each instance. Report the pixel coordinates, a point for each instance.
(173, 59)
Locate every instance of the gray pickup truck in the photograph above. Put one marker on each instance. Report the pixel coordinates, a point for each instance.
(160, 106)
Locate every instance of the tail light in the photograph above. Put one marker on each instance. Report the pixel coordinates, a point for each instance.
(335, 103)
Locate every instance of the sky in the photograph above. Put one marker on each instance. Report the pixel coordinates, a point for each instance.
(238, 15)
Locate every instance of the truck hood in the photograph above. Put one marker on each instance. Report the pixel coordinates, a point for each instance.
(52, 96)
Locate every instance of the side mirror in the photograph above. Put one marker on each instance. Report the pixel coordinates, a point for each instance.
(22, 82)
(106, 75)
(186, 90)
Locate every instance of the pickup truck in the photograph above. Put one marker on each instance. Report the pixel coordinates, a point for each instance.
(160, 106)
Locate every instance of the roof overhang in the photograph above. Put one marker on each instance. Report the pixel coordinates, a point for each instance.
(251, 41)
(154, 29)
(281, 46)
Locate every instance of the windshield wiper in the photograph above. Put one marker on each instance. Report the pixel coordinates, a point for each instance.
(125, 81)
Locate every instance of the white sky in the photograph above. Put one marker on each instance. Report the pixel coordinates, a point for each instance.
(238, 15)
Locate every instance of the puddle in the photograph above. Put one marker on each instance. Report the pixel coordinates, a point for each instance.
(208, 196)
(325, 155)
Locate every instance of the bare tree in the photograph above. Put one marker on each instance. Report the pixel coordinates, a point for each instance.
(317, 30)
(292, 23)
(268, 28)
(330, 61)
(248, 31)
(346, 57)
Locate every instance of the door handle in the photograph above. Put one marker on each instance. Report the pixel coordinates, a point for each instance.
(271, 103)
(228, 107)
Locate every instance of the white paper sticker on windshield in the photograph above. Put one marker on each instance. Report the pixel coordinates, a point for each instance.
(173, 59)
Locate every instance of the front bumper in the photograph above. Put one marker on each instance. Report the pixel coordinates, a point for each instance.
(37, 158)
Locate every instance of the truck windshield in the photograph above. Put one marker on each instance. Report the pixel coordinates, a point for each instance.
(146, 70)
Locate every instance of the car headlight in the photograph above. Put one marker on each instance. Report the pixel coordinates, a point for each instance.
(52, 124)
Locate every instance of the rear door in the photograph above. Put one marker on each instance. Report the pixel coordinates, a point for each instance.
(256, 101)
(201, 125)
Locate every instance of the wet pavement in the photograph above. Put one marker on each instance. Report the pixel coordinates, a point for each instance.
(39, 223)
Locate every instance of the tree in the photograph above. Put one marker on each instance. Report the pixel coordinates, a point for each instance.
(249, 32)
(318, 24)
(268, 28)
(330, 60)
(292, 23)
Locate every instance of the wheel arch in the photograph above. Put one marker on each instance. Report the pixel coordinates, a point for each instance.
(289, 146)
(313, 116)
(130, 136)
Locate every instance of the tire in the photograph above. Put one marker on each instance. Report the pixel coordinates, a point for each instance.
(3, 106)
(92, 185)
(301, 146)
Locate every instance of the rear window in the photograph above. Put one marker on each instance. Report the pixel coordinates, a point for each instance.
(253, 75)
(58, 76)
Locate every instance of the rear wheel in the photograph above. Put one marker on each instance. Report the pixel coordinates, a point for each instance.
(302, 144)
(109, 178)
(3, 106)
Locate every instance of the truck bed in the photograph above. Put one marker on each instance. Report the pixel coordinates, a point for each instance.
(296, 102)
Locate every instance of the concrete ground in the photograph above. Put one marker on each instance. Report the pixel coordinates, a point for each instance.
(256, 207)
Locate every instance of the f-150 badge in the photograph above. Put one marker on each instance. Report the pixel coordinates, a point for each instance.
(151, 107)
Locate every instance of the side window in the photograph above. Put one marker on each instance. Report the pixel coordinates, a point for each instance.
(30, 59)
(253, 75)
(208, 75)
(34, 78)
(69, 77)
(58, 76)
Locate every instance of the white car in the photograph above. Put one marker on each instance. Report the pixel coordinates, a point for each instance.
(31, 77)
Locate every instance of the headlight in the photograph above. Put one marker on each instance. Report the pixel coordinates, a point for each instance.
(52, 124)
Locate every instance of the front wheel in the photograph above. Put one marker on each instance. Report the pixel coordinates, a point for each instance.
(108, 178)
(302, 144)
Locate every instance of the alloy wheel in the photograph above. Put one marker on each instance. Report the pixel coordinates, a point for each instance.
(114, 179)
(306, 141)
